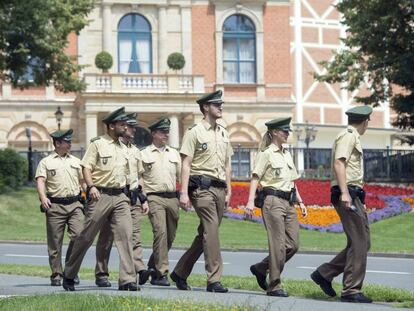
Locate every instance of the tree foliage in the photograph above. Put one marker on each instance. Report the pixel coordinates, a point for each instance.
(379, 48)
(34, 35)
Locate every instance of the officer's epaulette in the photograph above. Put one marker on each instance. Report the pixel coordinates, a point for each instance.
(142, 148)
(350, 130)
(191, 126)
(95, 138)
(222, 125)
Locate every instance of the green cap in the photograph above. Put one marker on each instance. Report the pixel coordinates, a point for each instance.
(359, 113)
(162, 124)
(62, 135)
(115, 116)
(279, 124)
(132, 119)
(211, 98)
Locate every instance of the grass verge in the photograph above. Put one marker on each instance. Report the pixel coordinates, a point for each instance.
(21, 220)
(298, 288)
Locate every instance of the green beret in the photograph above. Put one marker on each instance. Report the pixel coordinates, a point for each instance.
(359, 113)
(62, 135)
(211, 98)
(132, 119)
(162, 124)
(114, 116)
(279, 124)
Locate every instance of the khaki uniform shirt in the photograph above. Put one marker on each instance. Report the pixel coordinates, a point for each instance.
(275, 168)
(347, 145)
(135, 165)
(161, 169)
(107, 160)
(63, 175)
(210, 149)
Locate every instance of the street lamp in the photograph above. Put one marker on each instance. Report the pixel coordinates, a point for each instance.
(59, 116)
(29, 154)
(310, 135)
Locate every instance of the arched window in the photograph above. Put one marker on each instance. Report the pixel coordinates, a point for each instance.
(239, 50)
(134, 44)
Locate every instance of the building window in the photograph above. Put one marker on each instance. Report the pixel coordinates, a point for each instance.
(134, 44)
(239, 50)
(240, 163)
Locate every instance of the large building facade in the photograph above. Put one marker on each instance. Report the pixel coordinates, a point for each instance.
(261, 53)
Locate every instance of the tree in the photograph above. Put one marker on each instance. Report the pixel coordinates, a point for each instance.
(33, 37)
(379, 47)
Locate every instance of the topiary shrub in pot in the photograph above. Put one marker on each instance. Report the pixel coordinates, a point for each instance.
(103, 61)
(176, 61)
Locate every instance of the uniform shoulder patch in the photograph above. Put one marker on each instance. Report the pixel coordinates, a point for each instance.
(95, 139)
(192, 126)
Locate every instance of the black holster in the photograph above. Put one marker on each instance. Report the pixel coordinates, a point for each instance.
(259, 198)
(133, 196)
(140, 195)
(293, 196)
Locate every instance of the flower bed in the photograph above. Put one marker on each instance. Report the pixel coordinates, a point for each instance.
(381, 201)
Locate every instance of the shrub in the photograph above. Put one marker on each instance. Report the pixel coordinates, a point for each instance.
(13, 170)
(176, 61)
(103, 60)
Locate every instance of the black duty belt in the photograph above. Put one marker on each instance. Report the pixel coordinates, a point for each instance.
(62, 200)
(167, 195)
(277, 193)
(112, 191)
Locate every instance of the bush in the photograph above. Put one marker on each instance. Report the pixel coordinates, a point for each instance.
(13, 170)
(103, 60)
(176, 61)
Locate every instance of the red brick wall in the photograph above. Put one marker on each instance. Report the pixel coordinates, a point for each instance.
(333, 116)
(246, 91)
(311, 114)
(203, 42)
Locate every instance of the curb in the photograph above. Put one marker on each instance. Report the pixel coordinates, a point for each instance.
(245, 250)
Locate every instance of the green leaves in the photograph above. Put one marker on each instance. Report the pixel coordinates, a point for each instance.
(38, 30)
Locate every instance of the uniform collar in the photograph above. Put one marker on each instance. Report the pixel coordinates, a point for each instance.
(154, 148)
(56, 155)
(207, 125)
(354, 130)
(275, 148)
(110, 139)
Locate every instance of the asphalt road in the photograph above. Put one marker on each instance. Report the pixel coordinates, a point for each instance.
(396, 272)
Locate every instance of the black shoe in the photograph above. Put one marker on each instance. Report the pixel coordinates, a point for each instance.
(278, 293)
(76, 280)
(325, 285)
(55, 282)
(68, 284)
(162, 281)
(103, 283)
(144, 276)
(217, 288)
(359, 297)
(131, 287)
(260, 278)
(179, 282)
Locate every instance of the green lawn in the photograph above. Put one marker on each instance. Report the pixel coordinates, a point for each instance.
(68, 302)
(298, 288)
(21, 220)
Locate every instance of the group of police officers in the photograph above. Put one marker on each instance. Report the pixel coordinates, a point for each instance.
(123, 184)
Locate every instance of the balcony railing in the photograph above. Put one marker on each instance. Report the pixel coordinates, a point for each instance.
(144, 83)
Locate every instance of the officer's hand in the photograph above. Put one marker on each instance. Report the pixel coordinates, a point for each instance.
(94, 194)
(346, 200)
(249, 208)
(185, 201)
(46, 204)
(303, 209)
(145, 208)
(227, 200)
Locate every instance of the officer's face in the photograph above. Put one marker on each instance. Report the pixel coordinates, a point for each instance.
(282, 136)
(119, 128)
(63, 146)
(216, 110)
(160, 137)
(130, 132)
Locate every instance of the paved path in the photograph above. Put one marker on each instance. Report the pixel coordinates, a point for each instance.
(396, 272)
(22, 285)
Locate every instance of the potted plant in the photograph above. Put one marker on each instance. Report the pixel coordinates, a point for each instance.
(103, 61)
(176, 61)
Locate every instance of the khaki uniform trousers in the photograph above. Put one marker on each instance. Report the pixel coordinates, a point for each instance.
(209, 206)
(57, 217)
(282, 229)
(352, 261)
(116, 210)
(163, 215)
(105, 241)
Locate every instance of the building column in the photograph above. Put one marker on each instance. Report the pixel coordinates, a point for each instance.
(186, 42)
(106, 27)
(174, 140)
(298, 61)
(261, 92)
(91, 127)
(162, 39)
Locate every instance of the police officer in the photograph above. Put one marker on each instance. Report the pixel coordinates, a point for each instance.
(138, 210)
(162, 168)
(206, 181)
(275, 171)
(347, 196)
(59, 178)
(105, 169)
